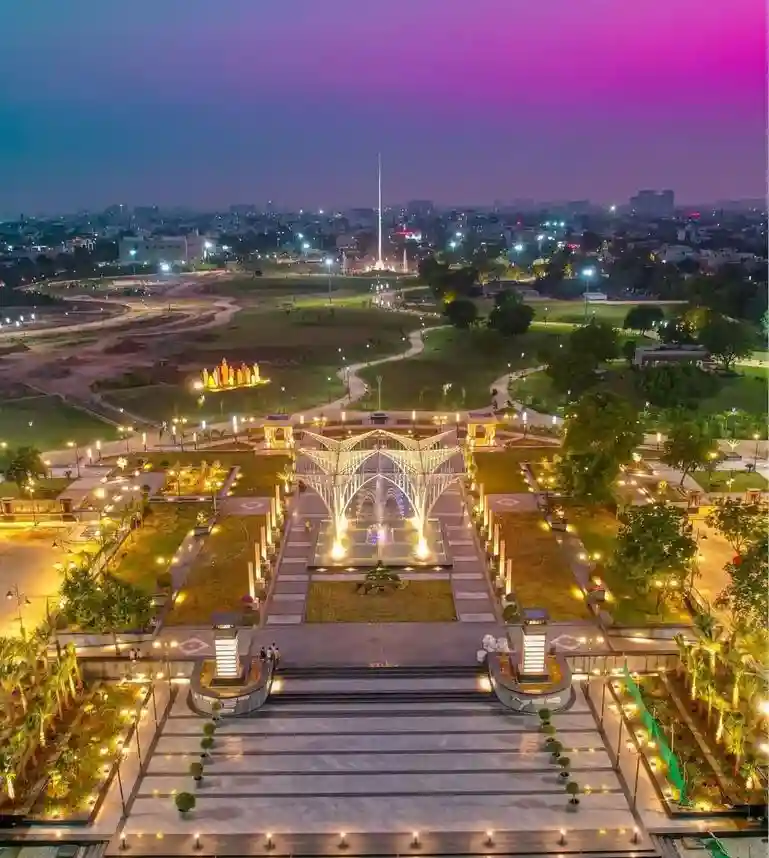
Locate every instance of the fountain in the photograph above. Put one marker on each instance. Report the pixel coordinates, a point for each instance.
(383, 527)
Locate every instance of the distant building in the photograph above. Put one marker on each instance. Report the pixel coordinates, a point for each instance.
(420, 208)
(661, 353)
(156, 249)
(648, 203)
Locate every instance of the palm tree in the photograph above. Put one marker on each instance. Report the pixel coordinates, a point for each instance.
(722, 707)
(736, 738)
(8, 772)
(710, 636)
(698, 665)
(685, 652)
(751, 771)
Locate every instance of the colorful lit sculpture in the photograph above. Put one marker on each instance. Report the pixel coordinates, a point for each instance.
(225, 377)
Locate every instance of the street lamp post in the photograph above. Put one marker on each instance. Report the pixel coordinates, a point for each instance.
(379, 392)
(756, 437)
(329, 263)
(73, 445)
(588, 274)
(21, 599)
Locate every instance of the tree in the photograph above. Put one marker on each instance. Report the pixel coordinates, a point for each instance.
(628, 351)
(510, 316)
(726, 339)
(597, 338)
(687, 448)
(642, 317)
(675, 386)
(600, 435)
(746, 594)
(739, 523)
(461, 312)
(24, 464)
(654, 548)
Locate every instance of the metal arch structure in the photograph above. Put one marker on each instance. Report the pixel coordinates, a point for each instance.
(337, 471)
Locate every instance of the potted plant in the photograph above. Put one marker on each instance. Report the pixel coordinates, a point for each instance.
(209, 728)
(564, 763)
(548, 729)
(185, 802)
(555, 749)
(572, 788)
(216, 708)
(206, 743)
(196, 770)
(544, 716)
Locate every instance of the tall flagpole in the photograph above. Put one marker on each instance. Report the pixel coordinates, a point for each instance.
(379, 263)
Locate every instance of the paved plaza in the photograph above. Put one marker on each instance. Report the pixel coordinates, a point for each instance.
(350, 753)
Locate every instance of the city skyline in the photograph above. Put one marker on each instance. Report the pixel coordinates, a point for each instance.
(293, 104)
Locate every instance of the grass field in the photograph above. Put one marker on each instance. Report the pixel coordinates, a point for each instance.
(44, 488)
(468, 361)
(47, 423)
(501, 472)
(542, 577)
(218, 579)
(272, 286)
(416, 602)
(300, 352)
(258, 472)
(748, 391)
(719, 481)
(148, 550)
(576, 313)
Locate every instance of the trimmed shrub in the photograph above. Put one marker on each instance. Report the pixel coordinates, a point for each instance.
(572, 788)
(549, 729)
(207, 742)
(185, 802)
(544, 715)
(209, 728)
(555, 749)
(196, 770)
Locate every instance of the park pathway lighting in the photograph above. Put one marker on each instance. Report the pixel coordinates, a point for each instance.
(73, 445)
(22, 601)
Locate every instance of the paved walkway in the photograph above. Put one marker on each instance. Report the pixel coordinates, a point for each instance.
(429, 754)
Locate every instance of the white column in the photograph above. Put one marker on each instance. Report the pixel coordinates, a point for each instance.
(508, 576)
(251, 580)
(495, 543)
(502, 557)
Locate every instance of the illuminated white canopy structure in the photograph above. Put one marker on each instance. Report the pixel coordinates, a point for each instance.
(422, 470)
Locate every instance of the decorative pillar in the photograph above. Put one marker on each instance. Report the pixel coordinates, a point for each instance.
(490, 518)
(534, 646)
(480, 494)
(495, 544)
(226, 649)
(508, 576)
(501, 556)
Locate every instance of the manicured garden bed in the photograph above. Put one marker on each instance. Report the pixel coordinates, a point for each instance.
(257, 472)
(500, 472)
(542, 577)
(218, 579)
(147, 551)
(412, 602)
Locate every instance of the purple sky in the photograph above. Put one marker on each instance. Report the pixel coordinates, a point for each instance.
(204, 103)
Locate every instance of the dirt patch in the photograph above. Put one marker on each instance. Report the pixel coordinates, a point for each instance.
(124, 347)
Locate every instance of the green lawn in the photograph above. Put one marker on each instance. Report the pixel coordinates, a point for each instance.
(542, 577)
(218, 579)
(258, 472)
(44, 488)
(300, 352)
(416, 602)
(500, 472)
(718, 481)
(48, 424)
(469, 361)
(573, 312)
(747, 391)
(274, 286)
(148, 550)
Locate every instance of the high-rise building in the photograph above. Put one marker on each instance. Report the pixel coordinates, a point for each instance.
(653, 203)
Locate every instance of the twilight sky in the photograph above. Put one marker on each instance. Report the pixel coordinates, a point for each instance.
(200, 103)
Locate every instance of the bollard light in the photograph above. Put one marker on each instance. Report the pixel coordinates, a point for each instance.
(489, 841)
(415, 839)
(197, 840)
(562, 838)
(123, 844)
(342, 840)
(269, 843)
(636, 833)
